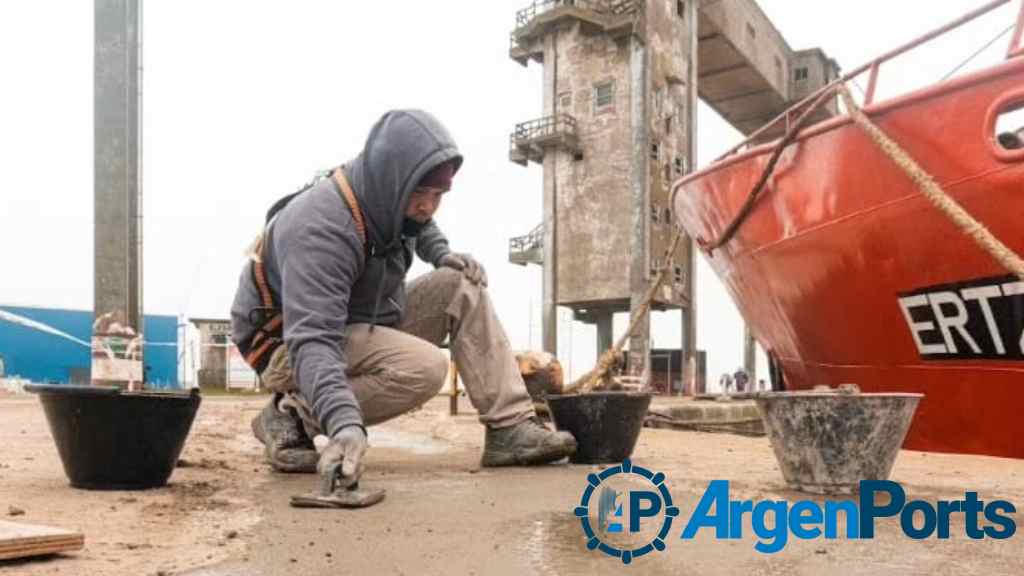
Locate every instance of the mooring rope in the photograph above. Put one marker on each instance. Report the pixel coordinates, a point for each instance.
(933, 191)
(748, 205)
(610, 357)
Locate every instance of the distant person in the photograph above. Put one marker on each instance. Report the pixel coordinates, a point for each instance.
(741, 379)
(323, 313)
(725, 383)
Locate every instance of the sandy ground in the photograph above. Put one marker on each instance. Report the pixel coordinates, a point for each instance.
(203, 516)
(227, 514)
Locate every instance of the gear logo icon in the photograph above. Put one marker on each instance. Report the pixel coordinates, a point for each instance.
(641, 504)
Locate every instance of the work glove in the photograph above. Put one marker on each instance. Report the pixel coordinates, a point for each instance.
(473, 270)
(347, 447)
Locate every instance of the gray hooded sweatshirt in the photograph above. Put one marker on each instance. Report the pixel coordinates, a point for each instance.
(322, 276)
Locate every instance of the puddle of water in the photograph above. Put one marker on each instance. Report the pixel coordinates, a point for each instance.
(555, 545)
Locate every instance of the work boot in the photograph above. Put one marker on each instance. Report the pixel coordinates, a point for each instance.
(286, 445)
(528, 442)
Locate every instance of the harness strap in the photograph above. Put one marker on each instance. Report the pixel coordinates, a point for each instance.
(350, 199)
(258, 357)
(270, 328)
(261, 277)
(269, 335)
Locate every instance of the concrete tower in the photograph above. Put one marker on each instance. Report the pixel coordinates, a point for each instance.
(621, 82)
(616, 130)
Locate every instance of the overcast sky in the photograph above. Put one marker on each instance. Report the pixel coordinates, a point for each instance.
(244, 101)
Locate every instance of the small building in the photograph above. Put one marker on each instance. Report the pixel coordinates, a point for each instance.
(52, 345)
(220, 363)
(669, 375)
(214, 338)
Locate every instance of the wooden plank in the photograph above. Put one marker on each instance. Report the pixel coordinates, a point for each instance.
(24, 540)
(40, 550)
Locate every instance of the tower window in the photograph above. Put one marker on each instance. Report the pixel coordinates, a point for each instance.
(801, 73)
(655, 151)
(655, 215)
(681, 9)
(679, 165)
(604, 95)
(564, 101)
(679, 274)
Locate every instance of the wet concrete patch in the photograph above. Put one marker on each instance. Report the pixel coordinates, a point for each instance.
(553, 544)
(381, 437)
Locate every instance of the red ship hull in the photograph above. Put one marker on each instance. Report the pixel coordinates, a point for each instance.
(846, 273)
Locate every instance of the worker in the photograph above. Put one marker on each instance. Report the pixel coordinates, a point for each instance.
(725, 382)
(324, 315)
(741, 379)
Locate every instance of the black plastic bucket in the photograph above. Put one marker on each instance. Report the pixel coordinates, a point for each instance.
(109, 439)
(606, 425)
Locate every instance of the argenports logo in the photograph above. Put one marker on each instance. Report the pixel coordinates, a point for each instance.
(618, 486)
(633, 520)
(774, 521)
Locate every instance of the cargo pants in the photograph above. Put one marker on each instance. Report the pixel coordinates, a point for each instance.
(394, 370)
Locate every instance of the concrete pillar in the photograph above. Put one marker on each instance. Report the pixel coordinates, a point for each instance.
(549, 311)
(639, 344)
(604, 332)
(117, 177)
(690, 312)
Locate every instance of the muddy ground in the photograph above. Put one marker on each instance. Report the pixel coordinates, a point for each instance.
(226, 513)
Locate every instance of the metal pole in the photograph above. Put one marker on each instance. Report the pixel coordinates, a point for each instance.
(549, 310)
(570, 344)
(749, 353)
(117, 188)
(668, 388)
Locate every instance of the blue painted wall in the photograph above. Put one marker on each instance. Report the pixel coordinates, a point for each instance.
(43, 357)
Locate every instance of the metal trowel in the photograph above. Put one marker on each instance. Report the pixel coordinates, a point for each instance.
(332, 495)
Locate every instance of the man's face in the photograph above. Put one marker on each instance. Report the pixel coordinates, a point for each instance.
(423, 203)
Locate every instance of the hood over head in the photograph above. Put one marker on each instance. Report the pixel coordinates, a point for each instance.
(402, 148)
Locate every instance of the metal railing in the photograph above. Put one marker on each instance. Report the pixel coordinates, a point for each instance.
(555, 125)
(526, 15)
(1017, 44)
(531, 241)
(1016, 50)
